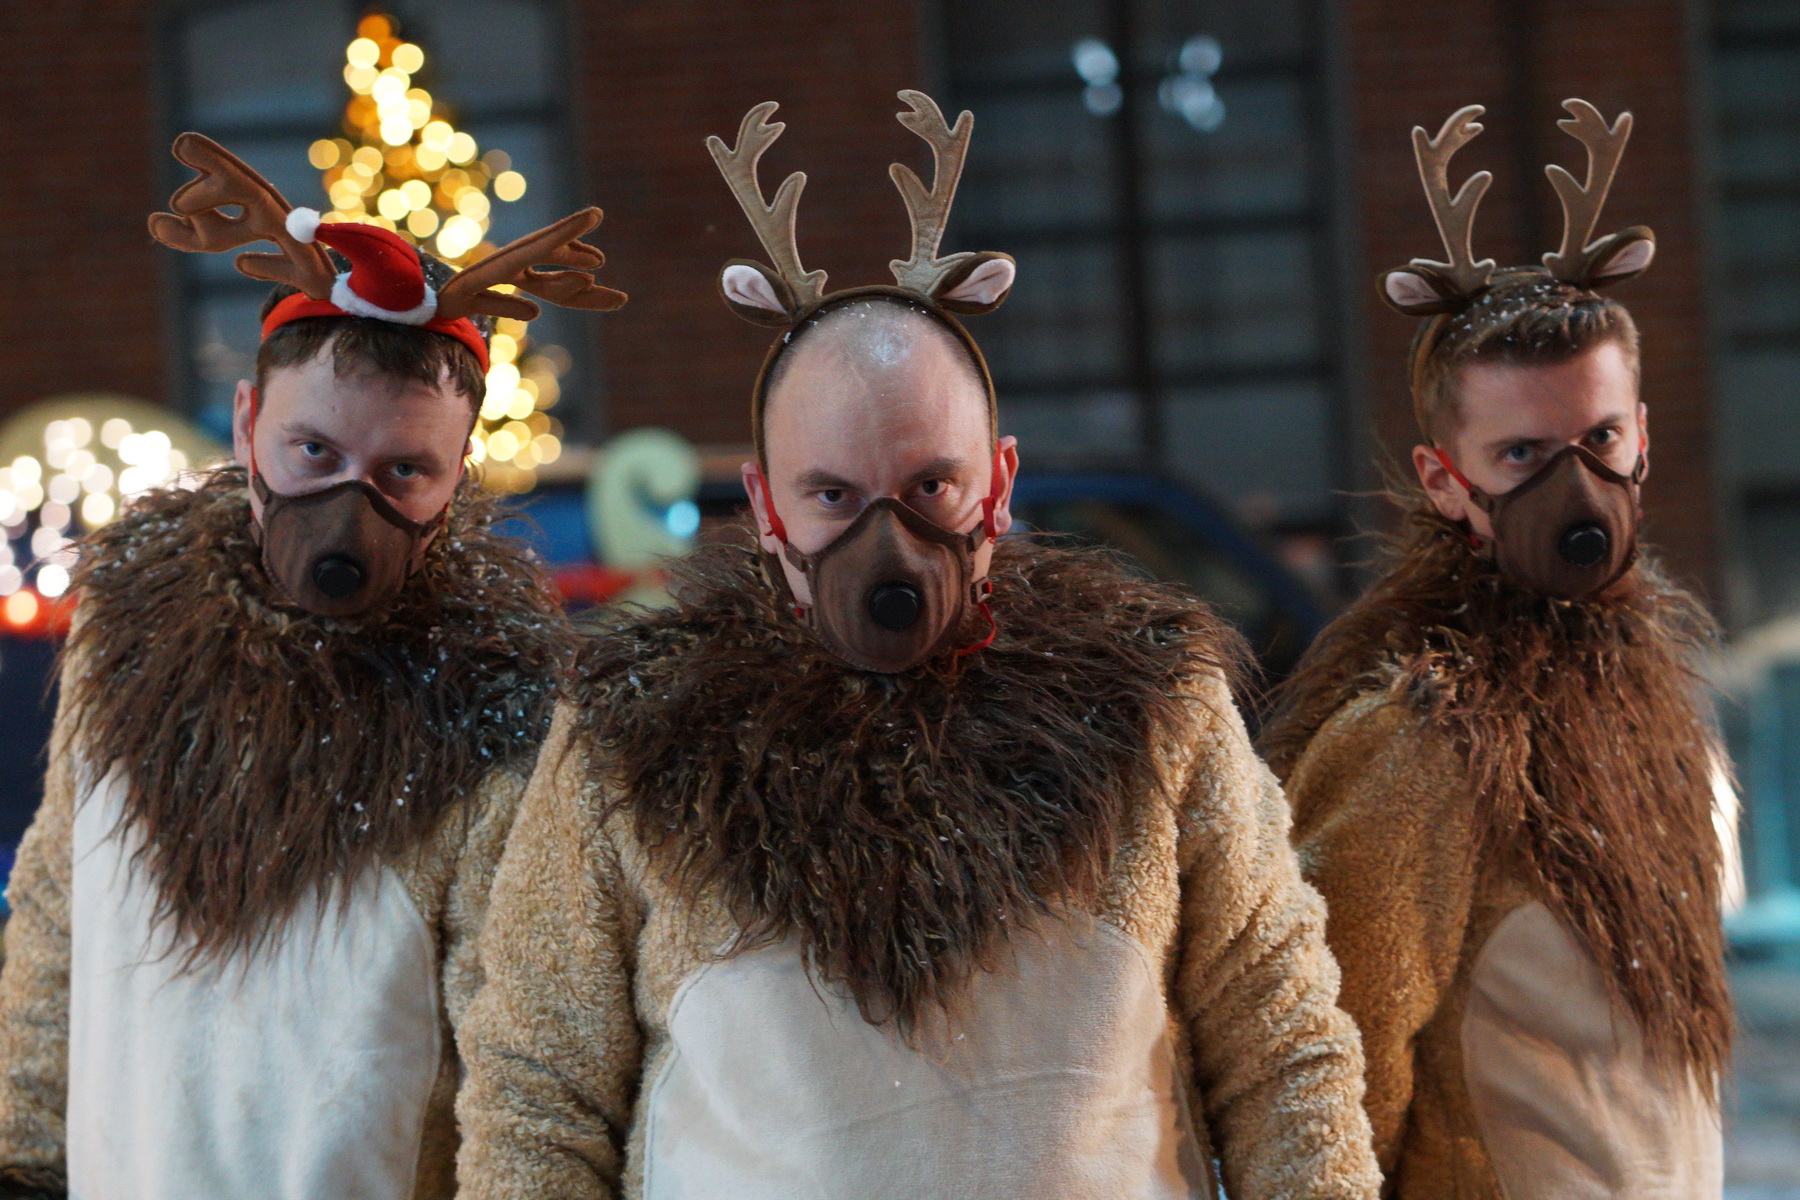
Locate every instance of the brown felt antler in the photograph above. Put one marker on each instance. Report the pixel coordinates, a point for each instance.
(1454, 215)
(1580, 261)
(198, 224)
(772, 220)
(470, 291)
(929, 211)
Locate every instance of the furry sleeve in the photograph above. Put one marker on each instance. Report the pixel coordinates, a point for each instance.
(1280, 1071)
(551, 1043)
(1383, 831)
(466, 904)
(34, 986)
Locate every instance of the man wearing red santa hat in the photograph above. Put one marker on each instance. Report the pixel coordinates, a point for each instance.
(299, 704)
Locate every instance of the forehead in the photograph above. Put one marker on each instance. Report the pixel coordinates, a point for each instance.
(1500, 398)
(878, 376)
(362, 404)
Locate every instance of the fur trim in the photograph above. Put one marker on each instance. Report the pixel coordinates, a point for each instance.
(898, 825)
(266, 749)
(27, 1183)
(1589, 751)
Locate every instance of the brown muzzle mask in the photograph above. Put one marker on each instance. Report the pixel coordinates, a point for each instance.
(893, 589)
(1571, 529)
(342, 550)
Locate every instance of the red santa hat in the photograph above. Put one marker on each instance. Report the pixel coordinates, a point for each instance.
(386, 282)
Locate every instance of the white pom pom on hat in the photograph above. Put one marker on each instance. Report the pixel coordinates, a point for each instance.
(303, 224)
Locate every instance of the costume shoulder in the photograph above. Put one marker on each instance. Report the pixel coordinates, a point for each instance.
(1377, 751)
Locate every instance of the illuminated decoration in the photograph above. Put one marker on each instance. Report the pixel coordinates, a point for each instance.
(69, 464)
(404, 165)
(641, 511)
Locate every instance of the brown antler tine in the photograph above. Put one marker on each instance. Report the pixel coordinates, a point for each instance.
(1581, 202)
(1455, 215)
(929, 211)
(774, 220)
(198, 225)
(468, 292)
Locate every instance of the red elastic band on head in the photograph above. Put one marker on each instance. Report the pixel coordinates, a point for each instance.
(300, 305)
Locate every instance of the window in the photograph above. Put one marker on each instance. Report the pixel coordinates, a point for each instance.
(1756, 60)
(266, 79)
(1158, 168)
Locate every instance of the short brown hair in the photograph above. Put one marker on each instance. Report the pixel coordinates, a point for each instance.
(1525, 316)
(387, 348)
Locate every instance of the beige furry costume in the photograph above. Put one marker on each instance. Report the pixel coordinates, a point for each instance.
(1506, 802)
(222, 978)
(733, 947)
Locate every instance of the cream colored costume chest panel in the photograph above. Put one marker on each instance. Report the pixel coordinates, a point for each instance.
(299, 1072)
(1057, 1083)
(1569, 1108)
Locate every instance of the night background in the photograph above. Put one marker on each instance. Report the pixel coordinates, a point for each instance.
(1199, 195)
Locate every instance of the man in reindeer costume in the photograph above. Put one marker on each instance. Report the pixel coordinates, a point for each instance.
(299, 704)
(1500, 766)
(893, 861)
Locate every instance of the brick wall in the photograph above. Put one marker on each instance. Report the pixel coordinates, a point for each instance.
(653, 81)
(1522, 58)
(81, 286)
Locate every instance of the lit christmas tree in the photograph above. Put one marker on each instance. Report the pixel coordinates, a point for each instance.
(402, 164)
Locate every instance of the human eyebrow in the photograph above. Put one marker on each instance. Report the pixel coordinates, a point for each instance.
(820, 481)
(307, 433)
(941, 468)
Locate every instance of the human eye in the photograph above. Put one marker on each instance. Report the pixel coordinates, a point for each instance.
(406, 470)
(313, 449)
(1605, 436)
(934, 487)
(1518, 454)
(833, 496)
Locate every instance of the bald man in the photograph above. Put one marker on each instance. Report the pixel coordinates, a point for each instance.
(897, 859)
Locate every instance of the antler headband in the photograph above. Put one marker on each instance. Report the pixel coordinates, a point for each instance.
(386, 279)
(1423, 287)
(785, 294)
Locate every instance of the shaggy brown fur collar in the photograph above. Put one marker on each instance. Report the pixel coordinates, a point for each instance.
(1589, 752)
(897, 825)
(264, 749)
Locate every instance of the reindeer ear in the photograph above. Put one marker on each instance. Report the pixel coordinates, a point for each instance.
(757, 294)
(1417, 291)
(1621, 256)
(978, 285)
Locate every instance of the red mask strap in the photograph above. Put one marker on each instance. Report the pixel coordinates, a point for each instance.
(255, 401)
(993, 625)
(1454, 473)
(776, 529)
(989, 504)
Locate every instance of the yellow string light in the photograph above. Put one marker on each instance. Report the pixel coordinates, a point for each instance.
(402, 164)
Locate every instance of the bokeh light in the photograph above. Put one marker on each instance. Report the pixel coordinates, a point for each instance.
(402, 163)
